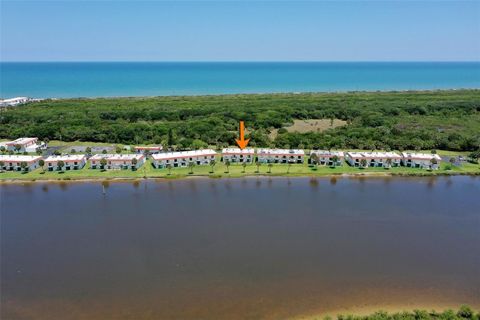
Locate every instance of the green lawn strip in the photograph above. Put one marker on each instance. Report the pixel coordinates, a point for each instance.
(233, 171)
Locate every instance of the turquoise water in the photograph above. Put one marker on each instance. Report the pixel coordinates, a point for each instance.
(93, 79)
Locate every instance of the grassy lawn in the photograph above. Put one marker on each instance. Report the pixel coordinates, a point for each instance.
(58, 143)
(235, 170)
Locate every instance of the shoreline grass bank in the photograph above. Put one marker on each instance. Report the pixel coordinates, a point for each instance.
(400, 312)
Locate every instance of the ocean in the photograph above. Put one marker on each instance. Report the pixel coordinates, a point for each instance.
(103, 79)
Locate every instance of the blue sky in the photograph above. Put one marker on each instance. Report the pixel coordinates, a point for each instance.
(240, 30)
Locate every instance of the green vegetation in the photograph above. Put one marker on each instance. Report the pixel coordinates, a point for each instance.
(219, 169)
(448, 120)
(464, 313)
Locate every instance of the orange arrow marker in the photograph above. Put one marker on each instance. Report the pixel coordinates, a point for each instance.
(242, 142)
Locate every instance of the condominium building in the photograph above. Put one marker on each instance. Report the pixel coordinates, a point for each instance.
(151, 150)
(237, 155)
(280, 156)
(12, 102)
(421, 160)
(329, 158)
(183, 158)
(70, 162)
(14, 162)
(24, 145)
(373, 159)
(117, 161)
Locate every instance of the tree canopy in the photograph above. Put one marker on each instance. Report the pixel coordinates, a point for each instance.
(447, 120)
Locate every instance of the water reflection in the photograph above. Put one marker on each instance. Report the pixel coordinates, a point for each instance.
(136, 184)
(63, 185)
(333, 181)
(449, 182)
(314, 183)
(431, 182)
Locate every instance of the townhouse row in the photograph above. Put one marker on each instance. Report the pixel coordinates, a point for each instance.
(32, 144)
(71, 162)
(230, 155)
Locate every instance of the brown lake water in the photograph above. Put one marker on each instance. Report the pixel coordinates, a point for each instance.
(238, 249)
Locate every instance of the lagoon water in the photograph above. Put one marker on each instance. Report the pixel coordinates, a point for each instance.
(238, 248)
(96, 79)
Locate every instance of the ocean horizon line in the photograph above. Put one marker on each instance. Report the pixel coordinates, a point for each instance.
(244, 61)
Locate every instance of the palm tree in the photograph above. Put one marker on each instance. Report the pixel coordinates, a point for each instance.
(270, 168)
(363, 163)
(38, 151)
(191, 164)
(17, 147)
(103, 163)
(2, 164)
(244, 165)
(134, 163)
(227, 164)
(118, 149)
(2, 149)
(24, 166)
(452, 160)
(288, 167)
(335, 161)
(169, 168)
(433, 163)
(389, 163)
(41, 163)
(60, 165)
(314, 159)
(258, 164)
(88, 150)
(212, 165)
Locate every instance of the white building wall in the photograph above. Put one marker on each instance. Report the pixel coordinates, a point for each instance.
(279, 157)
(115, 162)
(181, 161)
(52, 165)
(421, 160)
(16, 165)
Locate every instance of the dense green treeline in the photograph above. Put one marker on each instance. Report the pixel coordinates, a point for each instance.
(447, 120)
(464, 313)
